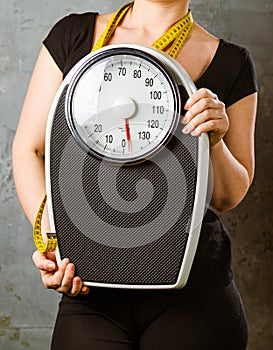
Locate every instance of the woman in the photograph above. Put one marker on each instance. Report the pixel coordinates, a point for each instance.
(207, 313)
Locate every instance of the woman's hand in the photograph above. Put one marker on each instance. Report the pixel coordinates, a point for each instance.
(205, 113)
(59, 277)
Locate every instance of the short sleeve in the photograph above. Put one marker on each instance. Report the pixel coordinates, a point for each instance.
(231, 74)
(57, 41)
(70, 39)
(246, 82)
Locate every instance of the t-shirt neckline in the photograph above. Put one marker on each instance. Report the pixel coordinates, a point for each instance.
(212, 63)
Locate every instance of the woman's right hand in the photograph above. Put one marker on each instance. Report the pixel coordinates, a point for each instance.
(58, 277)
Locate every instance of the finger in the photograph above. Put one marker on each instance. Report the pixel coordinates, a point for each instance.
(54, 280)
(201, 106)
(85, 290)
(211, 126)
(198, 95)
(76, 286)
(208, 114)
(42, 262)
(67, 279)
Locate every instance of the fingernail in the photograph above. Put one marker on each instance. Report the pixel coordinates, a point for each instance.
(186, 107)
(70, 267)
(194, 133)
(85, 290)
(187, 129)
(50, 266)
(184, 120)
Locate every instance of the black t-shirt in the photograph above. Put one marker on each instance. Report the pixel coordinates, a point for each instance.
(231, 75)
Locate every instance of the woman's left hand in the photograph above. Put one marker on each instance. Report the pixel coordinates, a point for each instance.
(205, 113)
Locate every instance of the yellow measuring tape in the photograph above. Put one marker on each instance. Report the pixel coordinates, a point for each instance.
(51, 243)
(176, 36)
(111, 26)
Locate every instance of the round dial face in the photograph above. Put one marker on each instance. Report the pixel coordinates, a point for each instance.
(123, 106)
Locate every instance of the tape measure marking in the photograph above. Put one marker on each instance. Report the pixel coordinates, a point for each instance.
(176, 35)
(51, 243)
(111, 26)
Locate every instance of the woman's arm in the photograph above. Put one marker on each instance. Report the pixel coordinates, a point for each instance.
(29, 141)
(28, 166)
(231, 133)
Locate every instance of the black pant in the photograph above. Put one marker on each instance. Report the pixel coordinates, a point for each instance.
(211, 319)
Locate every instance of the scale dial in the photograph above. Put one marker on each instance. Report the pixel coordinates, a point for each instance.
(123, 105)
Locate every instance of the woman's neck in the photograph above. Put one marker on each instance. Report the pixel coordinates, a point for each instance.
(159, 15)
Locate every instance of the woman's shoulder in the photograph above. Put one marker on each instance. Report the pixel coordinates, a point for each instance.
(70, 38)
(79, 20)
(76, 25)
(230, 71)
(216, 45)
(73, 21)
(234, 51)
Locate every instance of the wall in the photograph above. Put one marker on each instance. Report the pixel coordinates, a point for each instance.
(27, 311)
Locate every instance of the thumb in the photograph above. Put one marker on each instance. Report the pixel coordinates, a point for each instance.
(42, 262)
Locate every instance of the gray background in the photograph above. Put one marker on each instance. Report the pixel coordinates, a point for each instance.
(27, 311)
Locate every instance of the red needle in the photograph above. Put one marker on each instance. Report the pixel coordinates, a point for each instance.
(128, 135)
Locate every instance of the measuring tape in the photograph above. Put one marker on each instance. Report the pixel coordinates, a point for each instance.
(176, 36)
(51, 243)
